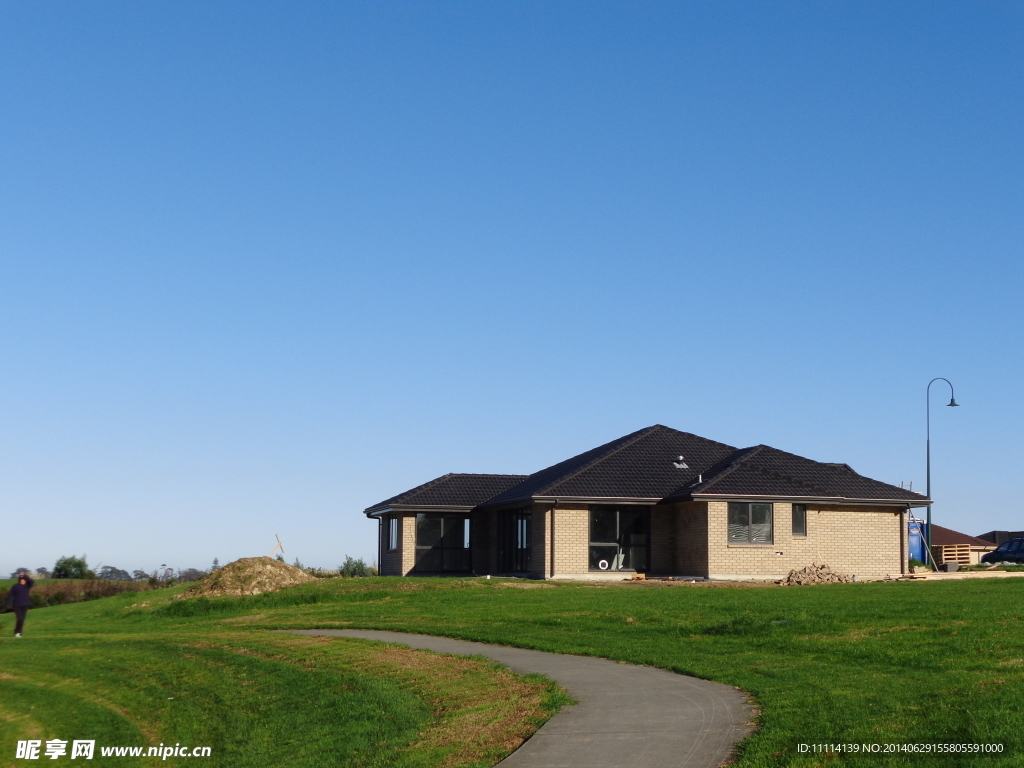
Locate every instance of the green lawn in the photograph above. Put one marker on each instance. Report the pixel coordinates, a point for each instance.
(879, 663)
(95, 671)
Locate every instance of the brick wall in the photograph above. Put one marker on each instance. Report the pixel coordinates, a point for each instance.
(863, 541)
(572, 539)
(663, 539)
(399, 562)
(692, 538)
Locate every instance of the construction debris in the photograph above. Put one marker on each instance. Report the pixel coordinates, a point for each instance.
(248, 576)
(816, 574)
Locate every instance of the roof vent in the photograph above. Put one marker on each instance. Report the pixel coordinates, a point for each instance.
(678, 463)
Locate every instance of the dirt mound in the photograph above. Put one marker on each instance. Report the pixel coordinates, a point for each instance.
(248, 576)
(815, 574)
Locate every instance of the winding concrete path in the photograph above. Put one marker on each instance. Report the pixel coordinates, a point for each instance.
(628, 716)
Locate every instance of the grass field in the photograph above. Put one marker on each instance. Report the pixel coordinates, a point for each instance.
(878, 663)
(94, 671)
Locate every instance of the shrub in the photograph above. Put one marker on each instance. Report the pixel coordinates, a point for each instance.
(55, 592)
(355, 568)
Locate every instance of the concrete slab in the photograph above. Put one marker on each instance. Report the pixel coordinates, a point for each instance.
(628, 716)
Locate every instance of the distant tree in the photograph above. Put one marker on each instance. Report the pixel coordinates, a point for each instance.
(114, 574)
(71, 567)
(299, 565)
(353, 568)
(216, 565)
(140, 575)
(20, 570)
(44, 573)
(190, 574)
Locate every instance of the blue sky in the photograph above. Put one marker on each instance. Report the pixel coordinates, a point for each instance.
(265, 264)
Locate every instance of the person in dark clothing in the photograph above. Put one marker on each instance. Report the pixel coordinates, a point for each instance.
(18, 599)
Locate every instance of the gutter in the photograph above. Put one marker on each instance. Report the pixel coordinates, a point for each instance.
(801, 499)
(414, 508)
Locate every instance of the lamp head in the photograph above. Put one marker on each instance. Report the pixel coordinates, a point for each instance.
(952, 403)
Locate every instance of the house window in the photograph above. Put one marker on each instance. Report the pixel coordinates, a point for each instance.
(799, 519)
(750, 523)
(619, 538)
(393, 533)
(442, 543)
(514, 546)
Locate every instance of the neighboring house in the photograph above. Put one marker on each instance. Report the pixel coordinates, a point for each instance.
(998, 537)
(949, 546)
(657, 501)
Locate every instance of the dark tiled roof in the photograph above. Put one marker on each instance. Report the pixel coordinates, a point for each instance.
(452, 490)
(766, 471)
(946, 536)
(639, 465)
(998, 537)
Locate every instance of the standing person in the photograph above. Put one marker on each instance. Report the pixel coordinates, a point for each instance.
(18, 598)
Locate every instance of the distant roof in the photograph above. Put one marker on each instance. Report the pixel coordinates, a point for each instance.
(639, 465)
(766, 471)
(451, 490)
(946, 536)
(998, 537)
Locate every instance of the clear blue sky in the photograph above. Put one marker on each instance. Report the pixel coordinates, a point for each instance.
(265, 264)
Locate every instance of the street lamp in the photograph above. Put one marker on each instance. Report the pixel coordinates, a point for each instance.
(928, 448)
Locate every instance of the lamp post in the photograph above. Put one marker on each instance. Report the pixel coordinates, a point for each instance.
(928, 450)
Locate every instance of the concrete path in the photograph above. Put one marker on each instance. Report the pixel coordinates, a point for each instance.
(627, 715)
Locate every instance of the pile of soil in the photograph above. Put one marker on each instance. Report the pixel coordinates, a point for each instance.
(248, 576)
(815, 574)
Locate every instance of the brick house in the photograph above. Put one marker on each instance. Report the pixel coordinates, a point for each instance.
(656, 501)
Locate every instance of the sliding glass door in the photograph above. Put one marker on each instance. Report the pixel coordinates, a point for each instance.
(619, 538)
(514, 547)
(442, 543)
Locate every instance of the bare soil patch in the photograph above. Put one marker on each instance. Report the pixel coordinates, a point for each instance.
(248, 576)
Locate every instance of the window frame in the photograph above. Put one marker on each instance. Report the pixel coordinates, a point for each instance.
(618, 543)
(802, 533)
(515, 540)
(733, 506)
(393, 533)
(442, 547)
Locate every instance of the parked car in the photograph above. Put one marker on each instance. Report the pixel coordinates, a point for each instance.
(1010, 551)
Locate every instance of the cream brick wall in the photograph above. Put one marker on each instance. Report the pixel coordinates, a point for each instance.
(572, 539)
(865, 541)
(399, 562)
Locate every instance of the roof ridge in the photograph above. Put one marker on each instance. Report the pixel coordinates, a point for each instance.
(740, 454)
(626, 441)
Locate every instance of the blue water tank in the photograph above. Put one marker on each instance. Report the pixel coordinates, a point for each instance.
(916, 535)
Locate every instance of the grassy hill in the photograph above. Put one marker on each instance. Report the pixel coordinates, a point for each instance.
(881, 663)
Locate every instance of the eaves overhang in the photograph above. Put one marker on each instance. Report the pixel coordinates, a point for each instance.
(405, 508)
(903, 503)
(554, 500)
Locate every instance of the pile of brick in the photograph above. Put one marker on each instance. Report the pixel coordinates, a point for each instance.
(815, 574)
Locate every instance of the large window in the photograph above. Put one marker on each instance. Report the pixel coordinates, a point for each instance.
(619, 538)
(750, 523)
(442, 543)
(514, 541)
(799, 519)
